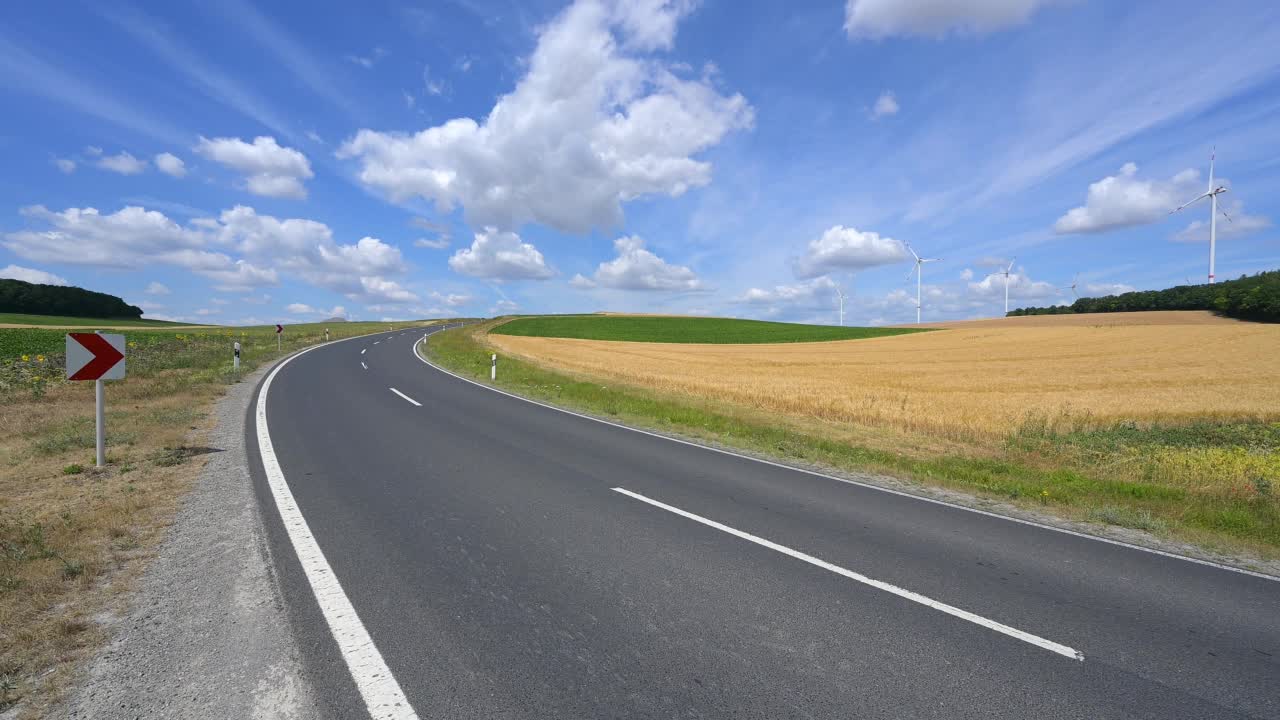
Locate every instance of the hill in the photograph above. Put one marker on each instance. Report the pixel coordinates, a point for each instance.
(1116, 319)
(681, 329)
(63, 321)
(1250, 297)
(17, 296)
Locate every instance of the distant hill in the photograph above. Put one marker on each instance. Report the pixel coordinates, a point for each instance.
(1250, 297)
(17, 296)
(334, 320)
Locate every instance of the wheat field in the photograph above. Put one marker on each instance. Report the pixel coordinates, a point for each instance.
(965, 381)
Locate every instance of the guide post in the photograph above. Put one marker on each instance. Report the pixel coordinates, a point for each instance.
(96, 356)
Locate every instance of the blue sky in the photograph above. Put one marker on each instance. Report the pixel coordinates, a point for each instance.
(255, 162)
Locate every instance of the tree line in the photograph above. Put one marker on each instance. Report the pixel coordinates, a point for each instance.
(1250, 297)
(17, 296)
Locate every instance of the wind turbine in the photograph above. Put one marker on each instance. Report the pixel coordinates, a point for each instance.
(918, 270)
(840, 294)
(1212, 194)
(1072, 287)
(1005, 272)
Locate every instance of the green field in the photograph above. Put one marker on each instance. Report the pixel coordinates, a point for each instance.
(21, 319)
(683, 329)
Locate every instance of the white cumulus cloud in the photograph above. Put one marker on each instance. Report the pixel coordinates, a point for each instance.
(810, 294)
(170, 164)
(886, 104)
(592, 124)
(1124, 200)
(123, 163)
(31, 275)
(156, 288)
(269, 169)
(842, 248)
(884, 18)
(636, 268)
(501, 255)
(1240, 223)
(65, 165)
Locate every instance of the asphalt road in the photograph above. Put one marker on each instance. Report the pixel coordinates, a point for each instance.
(491, 553)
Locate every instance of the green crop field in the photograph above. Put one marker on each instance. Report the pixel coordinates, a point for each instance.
(683, 329)
(21, 319)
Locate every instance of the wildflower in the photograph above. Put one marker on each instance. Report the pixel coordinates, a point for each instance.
(26, 358)
(39, 358)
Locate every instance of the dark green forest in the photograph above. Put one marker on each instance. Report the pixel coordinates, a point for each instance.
(17, 296)
(1250, 297)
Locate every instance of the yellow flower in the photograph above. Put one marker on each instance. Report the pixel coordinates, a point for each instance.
(26, 358)
(39, 358)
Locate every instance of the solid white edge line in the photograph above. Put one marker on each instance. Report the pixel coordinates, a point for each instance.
(1012, 632)
(406, 397)
(869, 486)
(378, 687)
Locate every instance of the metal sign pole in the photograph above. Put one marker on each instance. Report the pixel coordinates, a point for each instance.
(100, 421)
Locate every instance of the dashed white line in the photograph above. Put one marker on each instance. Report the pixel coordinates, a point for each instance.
(878, 584)
(366, 367)
(855, 483)
(364, 350)
(376, 342)
(406, 397)
(378, 688)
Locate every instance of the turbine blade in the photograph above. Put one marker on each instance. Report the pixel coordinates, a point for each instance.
(912, 251)
(913, 269)
(1193, 201)
(1225, 215)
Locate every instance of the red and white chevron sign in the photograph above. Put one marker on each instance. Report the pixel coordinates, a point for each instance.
(91, 356)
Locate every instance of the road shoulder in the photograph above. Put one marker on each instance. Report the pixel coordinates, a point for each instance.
(207, 634)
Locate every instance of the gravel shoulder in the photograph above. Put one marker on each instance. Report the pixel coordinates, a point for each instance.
(207, 634)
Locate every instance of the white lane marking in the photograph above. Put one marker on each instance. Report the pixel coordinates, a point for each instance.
(1012, 632)
(406, 397)
(376, 342)
(378, 687)
(366, 367)
(364, 350)
(869, 486)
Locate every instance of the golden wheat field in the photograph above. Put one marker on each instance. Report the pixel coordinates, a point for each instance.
(980, 380)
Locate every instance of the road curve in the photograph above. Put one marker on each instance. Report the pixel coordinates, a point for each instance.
(511, 561)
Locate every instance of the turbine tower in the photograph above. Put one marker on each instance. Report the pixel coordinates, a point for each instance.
(1005, 273)
(840, 294)
(918, 270)
(1212, 194)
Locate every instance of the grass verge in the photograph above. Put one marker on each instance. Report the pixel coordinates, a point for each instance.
(684, 329)
(73, 536)
(1210, 484)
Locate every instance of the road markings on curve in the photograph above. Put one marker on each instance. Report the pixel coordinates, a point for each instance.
(366, 367)
(406, 397)
(879, 585)
(364, 350)
(382, 695)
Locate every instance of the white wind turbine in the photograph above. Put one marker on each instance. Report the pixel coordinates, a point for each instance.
(840, 294)
(1075, 282)
(1005, 272)
(918, 270)
(1212, 194)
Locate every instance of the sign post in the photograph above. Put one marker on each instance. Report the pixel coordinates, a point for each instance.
(279, 332)
(235, 360)
(97, 357)
(493, 369)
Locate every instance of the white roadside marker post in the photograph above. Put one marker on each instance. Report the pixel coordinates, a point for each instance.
(235, 361)
(493, 368)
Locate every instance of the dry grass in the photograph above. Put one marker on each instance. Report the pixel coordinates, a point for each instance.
(964, 383)
(73, 537)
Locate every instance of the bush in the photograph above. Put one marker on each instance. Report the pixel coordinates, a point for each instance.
(17, 296)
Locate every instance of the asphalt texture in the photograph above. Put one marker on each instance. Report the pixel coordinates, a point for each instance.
(481, 541)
